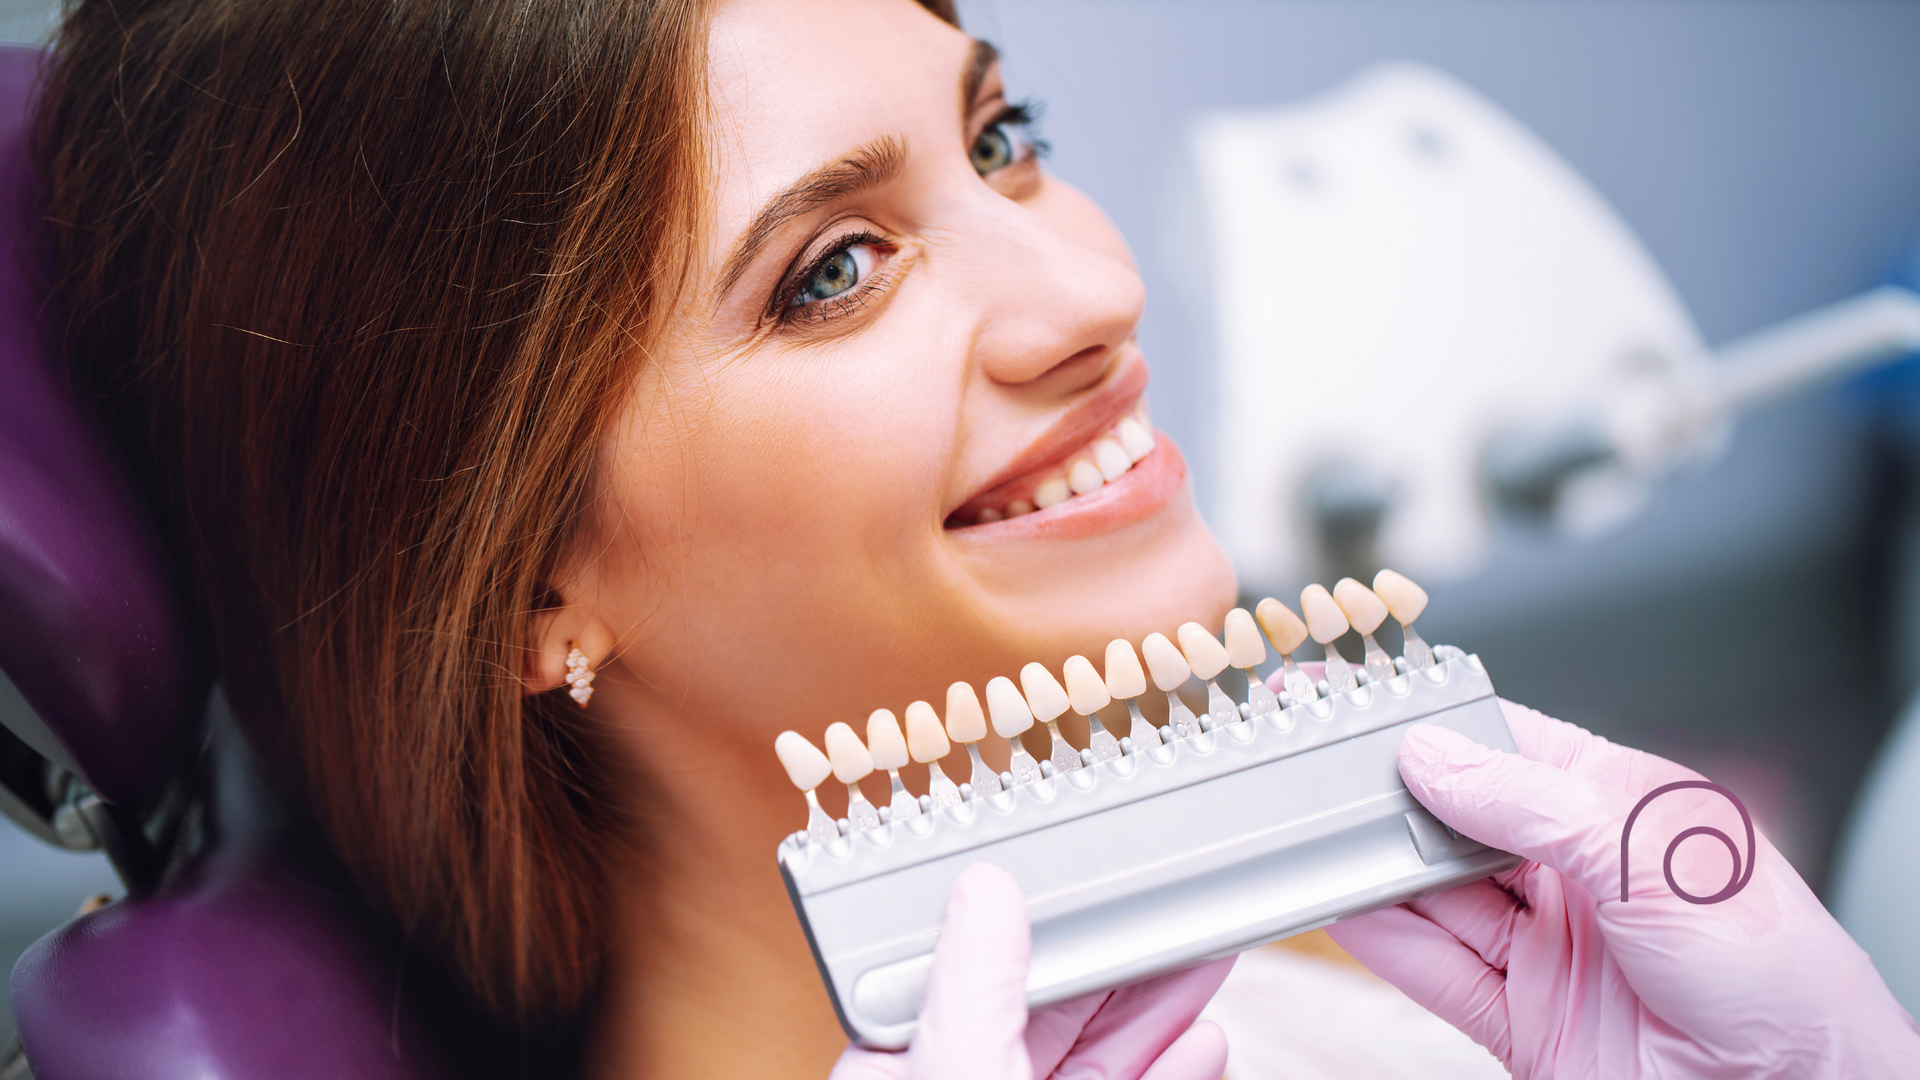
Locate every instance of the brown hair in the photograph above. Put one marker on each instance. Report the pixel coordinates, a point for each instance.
(359, 286)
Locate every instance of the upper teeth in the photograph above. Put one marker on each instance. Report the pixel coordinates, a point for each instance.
(1105, 460)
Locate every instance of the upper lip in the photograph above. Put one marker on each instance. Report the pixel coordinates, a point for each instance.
(1093, 415)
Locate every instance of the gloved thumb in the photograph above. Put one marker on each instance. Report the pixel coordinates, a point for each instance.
(973, 1020)
(1504, 800)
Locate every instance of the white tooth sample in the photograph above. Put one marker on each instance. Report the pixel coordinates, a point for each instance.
(1135, 438)
(1088, 693)
(851, 762)
(808, 768)
(927, 742)
(1084, 478)
(889, 750)
(1051, 493)
(1287, 632)
(1247, 651)
(1366, 612)
(1011, 717)
(1127, 680)
(1208, 658)
(967, 725)
(1018, 507)
(1325, 621)
(1169, 670)
(988, 516)
(1048, 700)
(1112, 458)
(1406, 600)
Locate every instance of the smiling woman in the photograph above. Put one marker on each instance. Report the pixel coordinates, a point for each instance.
(741, 353)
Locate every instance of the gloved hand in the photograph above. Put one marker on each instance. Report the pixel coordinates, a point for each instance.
(974, 1023)
(1544, 965)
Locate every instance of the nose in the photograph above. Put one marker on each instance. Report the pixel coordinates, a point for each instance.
(1059, 292)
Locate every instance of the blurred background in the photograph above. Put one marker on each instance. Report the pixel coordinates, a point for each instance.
(1755, 615)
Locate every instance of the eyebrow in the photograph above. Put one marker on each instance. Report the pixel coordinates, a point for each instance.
(868, 167)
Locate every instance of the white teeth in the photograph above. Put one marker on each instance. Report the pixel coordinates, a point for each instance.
(1051, 493)
(1085, 479)
(1169, 668)
(848, 754)
(1325, 620)
(806, 766)
(1112, 459)
(1018, 507)
(965, 722)
(1008, 709)
(1204, 653)
(1244, 646)
(1283, 627)
(1045, 696)
(1124, 677)
(1406, 599)
(885, 744)
(925, 738)
(988, 516)
(1085, 688)
(1135, 438)
(1363, 609)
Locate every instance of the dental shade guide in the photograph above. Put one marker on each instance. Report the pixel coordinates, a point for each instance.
(1175, 851)
(888, 748)
(1169, 670)
(1247, 652)
(1325, 621)
(1208, 658)
(1286, 631)
(1406, 601)
(1365, 612)
(1087, 692)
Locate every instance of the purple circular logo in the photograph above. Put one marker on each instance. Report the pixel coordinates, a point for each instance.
(1734, 884)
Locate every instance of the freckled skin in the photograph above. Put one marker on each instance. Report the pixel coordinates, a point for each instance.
(772, 551)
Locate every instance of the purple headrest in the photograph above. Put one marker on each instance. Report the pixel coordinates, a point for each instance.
(91, 632)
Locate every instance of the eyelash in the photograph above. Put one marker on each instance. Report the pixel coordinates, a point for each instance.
(1023, 115)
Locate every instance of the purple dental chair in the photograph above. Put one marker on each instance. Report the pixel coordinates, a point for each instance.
(233, 957)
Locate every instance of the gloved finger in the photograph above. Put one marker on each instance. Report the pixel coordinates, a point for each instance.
(1199, 1054)
(1435, 969)
(1052, 1031)
(1577, 751)
(858, 1064)
(1136, 1024)
(973, 1019)
(1479, 913)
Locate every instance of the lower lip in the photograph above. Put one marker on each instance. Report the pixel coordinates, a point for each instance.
(1139, 494)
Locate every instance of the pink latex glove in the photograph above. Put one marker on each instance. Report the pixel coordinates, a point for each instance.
(974, 1023)
(1545, 967)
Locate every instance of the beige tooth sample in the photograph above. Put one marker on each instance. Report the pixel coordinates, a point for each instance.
(1366, 612)
(1084, 478)
(1011, 717)
(1051, 493)
(851, 762)
(1087, 692)
(1406, 600)
(927, 743)
(1048, 700)
(1169, 670)
(1246, 651)
(1208, 658)
(889, 750)
(1135, 438)
(1126, 680)
(1112, 458)
(1287, 632)
(967, 725)
(808, 768)
(1325, 621)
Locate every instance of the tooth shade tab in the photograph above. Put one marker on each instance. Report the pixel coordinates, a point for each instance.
(1008, 709)
(1125, 679)
(848, 754)
(926, 740)
(1084, 478)
(1051, 493)
(1045, 696)
(1402, 597)
(1086, 691)
(806, 766)
(1363, 609)
(885, 744)
(1018, 507)
(1244, 647)
(1169, 668)
(1111, 458)
(1283, 627)
(1134, 438)
(1204, 653)
(965, 722)
(1325, 620)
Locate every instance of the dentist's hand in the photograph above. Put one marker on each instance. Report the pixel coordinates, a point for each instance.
(1544, 965)
(974, 1023)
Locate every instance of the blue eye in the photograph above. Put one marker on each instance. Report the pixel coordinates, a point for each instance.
(992, 151)
(1008, 140)
(835, 275)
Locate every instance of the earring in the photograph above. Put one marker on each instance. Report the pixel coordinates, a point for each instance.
(579, 675)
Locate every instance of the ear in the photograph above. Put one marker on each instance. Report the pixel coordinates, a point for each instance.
(556, 632)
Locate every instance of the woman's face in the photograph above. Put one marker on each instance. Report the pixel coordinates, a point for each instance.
(900, 322)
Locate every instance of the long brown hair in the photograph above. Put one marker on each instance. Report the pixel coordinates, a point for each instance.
(359, 286)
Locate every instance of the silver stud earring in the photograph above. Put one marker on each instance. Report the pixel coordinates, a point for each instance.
(579, 676)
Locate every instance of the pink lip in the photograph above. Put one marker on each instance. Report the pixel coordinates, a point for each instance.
(1139, 494)
(1078, 426)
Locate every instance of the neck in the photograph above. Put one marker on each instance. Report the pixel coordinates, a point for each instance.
(709, 974)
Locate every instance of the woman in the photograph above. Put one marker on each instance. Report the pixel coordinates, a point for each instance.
(716, 349)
